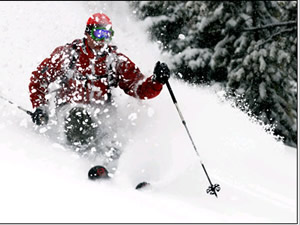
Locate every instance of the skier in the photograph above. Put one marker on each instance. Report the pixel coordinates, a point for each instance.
(86, 71)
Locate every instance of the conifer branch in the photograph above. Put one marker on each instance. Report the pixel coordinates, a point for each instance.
(270, 26)
(276, 34)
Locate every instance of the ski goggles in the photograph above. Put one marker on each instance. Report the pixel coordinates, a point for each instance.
(101, 33)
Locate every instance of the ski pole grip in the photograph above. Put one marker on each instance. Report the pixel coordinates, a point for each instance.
(171, 92)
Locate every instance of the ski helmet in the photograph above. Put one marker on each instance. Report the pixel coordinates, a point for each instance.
(98, 19)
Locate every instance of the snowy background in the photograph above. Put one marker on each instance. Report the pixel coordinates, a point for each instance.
(45, 182)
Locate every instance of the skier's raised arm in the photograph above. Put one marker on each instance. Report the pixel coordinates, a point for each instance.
(135, 84)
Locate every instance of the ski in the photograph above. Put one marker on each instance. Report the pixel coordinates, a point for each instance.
(142, 185)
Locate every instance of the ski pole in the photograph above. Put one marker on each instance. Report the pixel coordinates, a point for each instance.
(19, 107)
(213, 188)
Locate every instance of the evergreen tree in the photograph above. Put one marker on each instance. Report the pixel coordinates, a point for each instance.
(250, 47)
(265, 74)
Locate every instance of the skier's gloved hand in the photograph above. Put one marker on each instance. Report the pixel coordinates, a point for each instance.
(161, 73)
(40, 116)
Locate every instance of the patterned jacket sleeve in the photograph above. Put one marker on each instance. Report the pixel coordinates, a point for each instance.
(133, 82)
(45, 73)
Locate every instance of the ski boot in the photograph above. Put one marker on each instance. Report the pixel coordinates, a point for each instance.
(98, 172)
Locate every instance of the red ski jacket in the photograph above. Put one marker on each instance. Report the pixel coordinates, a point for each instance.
(84, 76)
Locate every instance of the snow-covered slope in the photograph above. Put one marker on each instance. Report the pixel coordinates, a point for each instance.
(43, 181)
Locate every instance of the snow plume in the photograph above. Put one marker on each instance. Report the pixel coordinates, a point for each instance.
(44, 181)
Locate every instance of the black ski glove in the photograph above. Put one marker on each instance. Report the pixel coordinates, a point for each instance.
(161, 73)
(40, 117)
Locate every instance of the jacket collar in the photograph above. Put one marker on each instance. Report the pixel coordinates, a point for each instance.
(86, 49)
